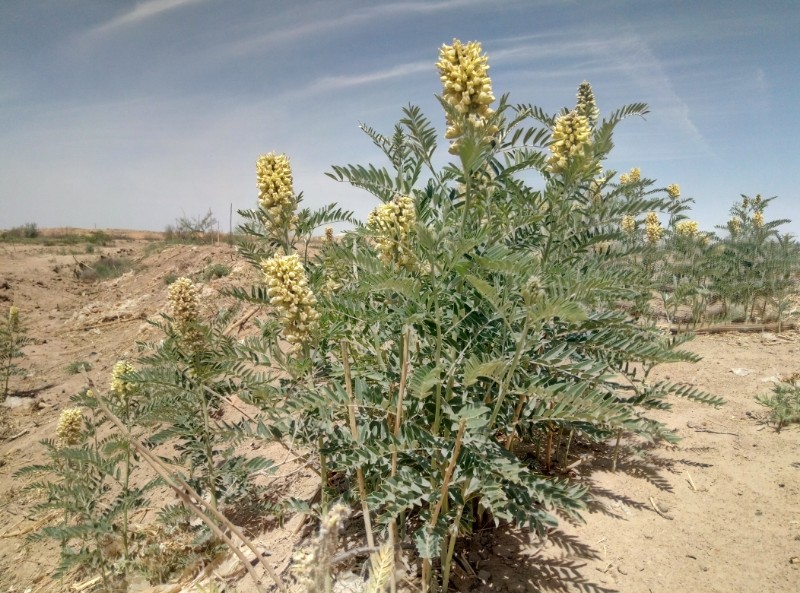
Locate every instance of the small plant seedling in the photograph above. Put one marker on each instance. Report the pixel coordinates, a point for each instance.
(78, 366)
(12, 339)
(783, 402)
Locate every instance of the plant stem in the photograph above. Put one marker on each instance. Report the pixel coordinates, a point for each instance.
(351, 411)
(397, 422)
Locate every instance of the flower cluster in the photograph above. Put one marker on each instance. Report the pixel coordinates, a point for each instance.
(758, 219)
(586, 105)
(183, 297)
(674, 191)
(119, 386)
(628, 225)
(13, 317)
(69, 431)
(276, 193)
(734, 225)
(329, 234)
(687, 228)
(571, 138)
(464, 72)
(393, 223)
(653, 228)
(288, 291)
(633, 177)
(313, 565)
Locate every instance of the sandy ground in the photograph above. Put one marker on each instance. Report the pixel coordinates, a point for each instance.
(720, 512)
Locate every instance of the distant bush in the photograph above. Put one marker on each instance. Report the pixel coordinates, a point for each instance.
(27, 231)
(186, 229)
(99, 238)
(104, 268)
(216, 271)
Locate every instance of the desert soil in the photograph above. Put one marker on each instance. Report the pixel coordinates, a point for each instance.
(719, 512)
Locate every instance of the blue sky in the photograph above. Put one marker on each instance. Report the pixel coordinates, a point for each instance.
(123, 114)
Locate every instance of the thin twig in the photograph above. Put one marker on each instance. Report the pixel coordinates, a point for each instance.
(658, 510)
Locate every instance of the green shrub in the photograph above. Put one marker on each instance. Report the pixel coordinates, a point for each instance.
(78, 366)
(107, 268)
(446, 357)
(784, 402)
(27, 231)
(215, 271)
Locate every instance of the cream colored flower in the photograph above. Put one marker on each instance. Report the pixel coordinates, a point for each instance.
(687, 228)
(288, 291)
(758, 219)
(276, 193)
(571, 138)
(69, 431)
(464, 72)
(185, 312)
(636, 175)
(734, 225)
(586, 105)
(629, 225)
(13, 318)
(653, 228)
(674, 191)
(119, 386)
(393, 223)
(329, 234)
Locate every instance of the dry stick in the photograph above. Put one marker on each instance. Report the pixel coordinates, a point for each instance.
(691, 482)
(658, 510)
(186, 492)
(351, 410)
(401, 392)
(448, 474)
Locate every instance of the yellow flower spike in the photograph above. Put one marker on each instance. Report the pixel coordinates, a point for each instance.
(628, 225)
(734, 225)
(119, 386)
(653, 228)
(586, 105)
(185, 312)
(687, 228)
(288, 292)
(758, 220)
(69, 431)
(466, 85)
(393, 223)
(636, 175)
(275, 187)
(674, 191)
(13, 318)
(571, 137)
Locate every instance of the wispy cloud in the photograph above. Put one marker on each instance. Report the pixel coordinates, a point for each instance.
(140, 13)
(329, 83)
(348, 18)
